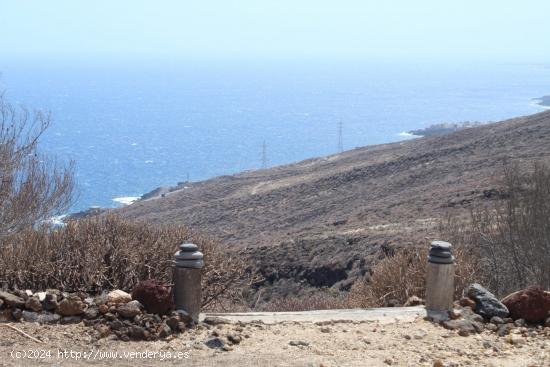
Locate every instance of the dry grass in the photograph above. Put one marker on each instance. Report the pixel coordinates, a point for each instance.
(403, 275)
(102, 253)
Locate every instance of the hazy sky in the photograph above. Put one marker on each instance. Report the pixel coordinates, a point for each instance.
(259, 30)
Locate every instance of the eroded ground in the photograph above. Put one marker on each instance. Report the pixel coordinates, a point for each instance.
(418, 343)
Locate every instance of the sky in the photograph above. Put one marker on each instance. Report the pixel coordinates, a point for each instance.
(257, 31)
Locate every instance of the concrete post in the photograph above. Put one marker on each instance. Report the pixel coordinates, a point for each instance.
(187, 279)
(440, 279)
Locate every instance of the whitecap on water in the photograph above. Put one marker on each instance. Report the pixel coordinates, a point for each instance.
(407, 135)
(126, 200)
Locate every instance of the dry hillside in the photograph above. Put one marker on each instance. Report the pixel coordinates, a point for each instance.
(321, 222)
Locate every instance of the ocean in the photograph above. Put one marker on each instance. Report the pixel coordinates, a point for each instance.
(132, 129)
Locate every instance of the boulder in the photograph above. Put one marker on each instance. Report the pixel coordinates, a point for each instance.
(42, 318)
(33, 304)
(531, 304)
(118, 296)
(487, 305)
(72, 305)
(50, 301)
(12, 300)
(130, 309)
(154, 296)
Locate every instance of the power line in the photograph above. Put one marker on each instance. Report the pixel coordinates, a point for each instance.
(340, 140)
(264, 155)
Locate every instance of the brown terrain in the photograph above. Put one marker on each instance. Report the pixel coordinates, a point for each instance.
(324, 221)
(347, 343)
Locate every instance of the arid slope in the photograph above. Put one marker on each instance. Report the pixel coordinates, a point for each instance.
(322, 219)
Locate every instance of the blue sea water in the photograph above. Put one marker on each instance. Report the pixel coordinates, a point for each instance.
(131, 129)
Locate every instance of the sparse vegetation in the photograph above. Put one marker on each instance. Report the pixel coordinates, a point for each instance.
(403, 275)
(102, 253)
(33, 186)
(512, 235)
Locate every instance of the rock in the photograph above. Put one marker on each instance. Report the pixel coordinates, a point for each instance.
(33, 304)
(41, 296)
(531, 304)
(215, 320)
(469, 314)
(164, 330)
(173, 322)
(12, 300)
(414, 301)
(118, 296)
(50, 302)
(388, 361)
(515, 340)
(227, 348)
(487, 305)
(154, 296)
(214, 343)
(103, 330)
(467, 302)
(103, 308)
(182, 326)
(455, 314)
(496, 320)
(234, 338)
(464, 327)
(72, 305)
(70, 320)
(130, 309)
(325, 330)
(491, 327)
(1, 303)
(520, 323)
(487, 344)
(21, 294)
(504, 329)
(5, 315)
(138, 333)
(299, 343)
(183, 316)
(91, 312)
(17, 313)
(438, 363)
(41, 318)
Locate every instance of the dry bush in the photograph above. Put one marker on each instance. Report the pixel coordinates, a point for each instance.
(513, 235)
(398, 277)
(102, 253)
(33, 187)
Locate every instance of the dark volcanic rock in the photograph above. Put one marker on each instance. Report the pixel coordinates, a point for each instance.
(42, 318)
(154, 296)
(50, 302)
(33, 304)
(531, 304)
(214, 343)
(487, 305)
(72, 305)
(12, 300)
(130, 309)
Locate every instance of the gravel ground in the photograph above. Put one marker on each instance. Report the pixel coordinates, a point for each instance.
(417, 343)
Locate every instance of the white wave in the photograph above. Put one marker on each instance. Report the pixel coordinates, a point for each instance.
(407, 135)
(56, 221)
(149, 161)
(126, 200)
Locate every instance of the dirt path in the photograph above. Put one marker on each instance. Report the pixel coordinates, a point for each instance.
(328, 343)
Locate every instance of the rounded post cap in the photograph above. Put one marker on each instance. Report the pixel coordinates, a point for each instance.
(189, 256)
(441, 253)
